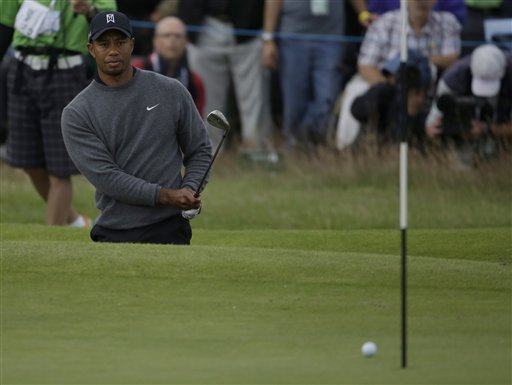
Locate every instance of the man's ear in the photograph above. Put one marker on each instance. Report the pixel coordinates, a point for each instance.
(91, 50)
(132, 40)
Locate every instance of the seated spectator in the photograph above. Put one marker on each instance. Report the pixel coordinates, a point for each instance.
(369, 10)
(377, 108)
(474, 97)
(434, 34)
(169, 58)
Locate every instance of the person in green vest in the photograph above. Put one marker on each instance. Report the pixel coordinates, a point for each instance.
(49, 39)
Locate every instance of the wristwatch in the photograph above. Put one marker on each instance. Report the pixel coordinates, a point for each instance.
(267, 36)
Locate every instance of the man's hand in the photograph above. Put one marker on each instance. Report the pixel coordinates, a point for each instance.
(82, 7)
(434, 129)
(183, 198)
(366, 18)
(270, 54)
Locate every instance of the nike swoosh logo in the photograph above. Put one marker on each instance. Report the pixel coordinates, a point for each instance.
(150, 108)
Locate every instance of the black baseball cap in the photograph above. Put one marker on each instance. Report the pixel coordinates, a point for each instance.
(107, 20)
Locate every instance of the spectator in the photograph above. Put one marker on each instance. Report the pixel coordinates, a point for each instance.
(433, 34)
(474, 97)
(169, 58)
(310, 69)
(221, 55)
(369, 10)
(48, 72)
(377, 108)
(130, 132)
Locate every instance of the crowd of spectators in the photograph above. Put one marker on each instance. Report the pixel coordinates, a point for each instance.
(322, 74)
(299, 79)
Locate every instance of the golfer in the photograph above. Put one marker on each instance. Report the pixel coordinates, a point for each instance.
(129, 133)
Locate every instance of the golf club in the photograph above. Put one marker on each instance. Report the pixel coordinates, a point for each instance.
(217, 120)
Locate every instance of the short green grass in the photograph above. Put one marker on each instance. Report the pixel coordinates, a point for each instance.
(78, 312)
(289, 273)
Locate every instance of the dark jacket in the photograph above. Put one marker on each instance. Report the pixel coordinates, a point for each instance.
(377, 109)
(458, 77)
(246, 15)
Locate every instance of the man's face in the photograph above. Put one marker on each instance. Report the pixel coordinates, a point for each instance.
(112, 52)
(170, 39)
(421, 8)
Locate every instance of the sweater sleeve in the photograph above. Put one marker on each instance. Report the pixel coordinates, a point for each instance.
(96, 163)
(194, 142)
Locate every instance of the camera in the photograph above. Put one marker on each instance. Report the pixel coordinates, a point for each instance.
(459, 111)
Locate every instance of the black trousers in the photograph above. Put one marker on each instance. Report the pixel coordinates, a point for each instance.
(175, 230)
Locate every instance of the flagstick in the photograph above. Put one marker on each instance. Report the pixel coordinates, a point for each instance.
(403, 175)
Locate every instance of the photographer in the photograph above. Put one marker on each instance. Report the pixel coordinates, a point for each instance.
(474, 98)
(376, 108)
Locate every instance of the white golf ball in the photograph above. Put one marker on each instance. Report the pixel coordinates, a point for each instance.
(369, 349)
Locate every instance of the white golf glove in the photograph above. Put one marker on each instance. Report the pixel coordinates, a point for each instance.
(190, 214)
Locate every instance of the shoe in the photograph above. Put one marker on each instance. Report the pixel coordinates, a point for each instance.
(82, 222)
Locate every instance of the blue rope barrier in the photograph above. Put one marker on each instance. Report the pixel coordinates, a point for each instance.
(283, 35)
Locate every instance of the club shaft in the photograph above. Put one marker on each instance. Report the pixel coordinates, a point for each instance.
(200, 187)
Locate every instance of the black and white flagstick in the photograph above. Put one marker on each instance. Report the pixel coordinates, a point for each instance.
(403, 173)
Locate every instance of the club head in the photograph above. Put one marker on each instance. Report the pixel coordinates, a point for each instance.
(218, 120)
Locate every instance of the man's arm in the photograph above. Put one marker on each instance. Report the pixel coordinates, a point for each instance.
(371, 73)
(363, 15)
(271, 16)
(444, 61)
(193, 140)
(374, 48)
(450, 41)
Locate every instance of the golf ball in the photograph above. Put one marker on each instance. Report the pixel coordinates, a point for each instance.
(369, 349)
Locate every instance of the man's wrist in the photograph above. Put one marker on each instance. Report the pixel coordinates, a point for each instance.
(166, 196)
(267, 36)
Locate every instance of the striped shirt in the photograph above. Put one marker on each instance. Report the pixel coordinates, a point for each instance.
(439, 37)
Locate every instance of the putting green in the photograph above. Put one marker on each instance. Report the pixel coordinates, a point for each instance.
(255, 307)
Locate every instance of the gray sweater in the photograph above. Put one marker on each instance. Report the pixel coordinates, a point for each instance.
(130, 141)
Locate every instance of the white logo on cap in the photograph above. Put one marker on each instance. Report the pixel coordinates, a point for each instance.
(110, 18)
